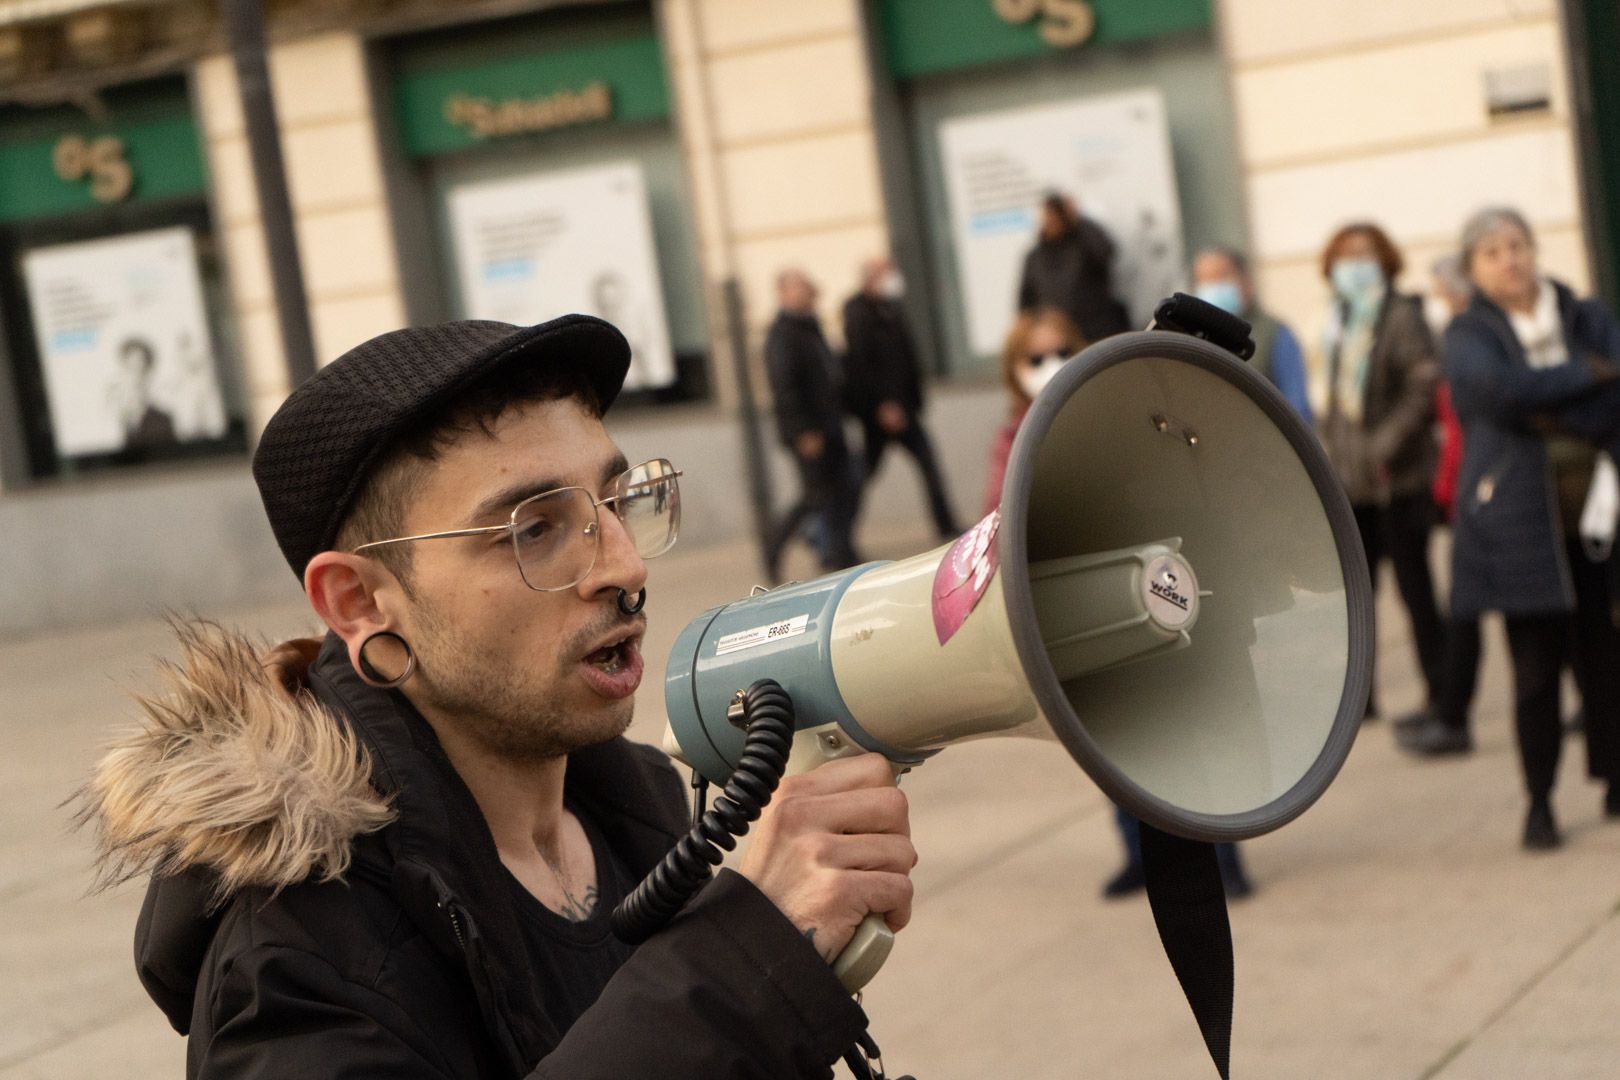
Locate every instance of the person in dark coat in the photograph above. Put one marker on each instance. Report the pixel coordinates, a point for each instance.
(394, 853)
(807, 393)
(1372, 380)
(1445, 730)
(1071, 267)
(1534, 383)
(883, 382)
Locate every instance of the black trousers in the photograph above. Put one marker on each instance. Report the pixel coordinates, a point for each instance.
(1459, 672)
(1540, 646)
(827, 487)
(916, 442)
(1401, 531)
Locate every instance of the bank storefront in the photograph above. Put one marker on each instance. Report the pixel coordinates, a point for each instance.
(987, 104)
(544, 173)
(117, 339)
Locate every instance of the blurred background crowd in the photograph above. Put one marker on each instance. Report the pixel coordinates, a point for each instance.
(838, 234)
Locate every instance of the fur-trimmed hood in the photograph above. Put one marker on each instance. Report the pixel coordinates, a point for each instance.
(230, 772)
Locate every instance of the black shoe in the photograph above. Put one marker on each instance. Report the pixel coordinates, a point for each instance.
(1611, 800)
(1432, 738)
(1540, 831)
(1127, 882)
(1412, 721)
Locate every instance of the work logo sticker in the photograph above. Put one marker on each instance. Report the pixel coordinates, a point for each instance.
(964, 576)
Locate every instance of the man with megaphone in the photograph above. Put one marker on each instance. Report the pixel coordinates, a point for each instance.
(1171, 589)
(394, 852)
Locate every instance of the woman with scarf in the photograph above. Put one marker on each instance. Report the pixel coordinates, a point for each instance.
(1534, 382)
(1372, 383)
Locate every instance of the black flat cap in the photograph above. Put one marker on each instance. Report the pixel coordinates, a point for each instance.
(320, 446)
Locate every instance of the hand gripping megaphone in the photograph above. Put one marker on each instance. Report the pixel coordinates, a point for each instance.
(1172, 589)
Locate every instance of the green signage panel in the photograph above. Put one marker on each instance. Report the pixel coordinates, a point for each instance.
(59, 160)
(923, 37)
(448, 106)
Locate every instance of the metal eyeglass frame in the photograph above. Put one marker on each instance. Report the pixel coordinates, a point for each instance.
(593, 529)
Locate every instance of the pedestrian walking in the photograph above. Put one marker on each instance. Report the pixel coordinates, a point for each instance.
(1535, 383)
(1372, 381)
(1071, 267)
(805, 386)
(883, 383)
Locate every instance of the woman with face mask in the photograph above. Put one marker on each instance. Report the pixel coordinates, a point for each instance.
(1372, 381)
(1534, 382)
(1038, 344)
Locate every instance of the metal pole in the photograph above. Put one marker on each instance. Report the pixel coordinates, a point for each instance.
(244, 25)
(759, 477)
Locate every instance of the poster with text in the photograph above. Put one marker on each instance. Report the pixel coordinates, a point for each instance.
(123, 340)
(1112, 154)
(535, 247)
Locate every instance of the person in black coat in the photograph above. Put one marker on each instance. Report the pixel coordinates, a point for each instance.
(1535, 385)
(808, 397)
(883, 382)
(394, 853)
(1071, 267)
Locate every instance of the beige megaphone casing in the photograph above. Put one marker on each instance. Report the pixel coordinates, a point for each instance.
(1173, 588)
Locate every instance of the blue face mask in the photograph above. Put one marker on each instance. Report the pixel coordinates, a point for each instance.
(1223, 294)
(1357, 277)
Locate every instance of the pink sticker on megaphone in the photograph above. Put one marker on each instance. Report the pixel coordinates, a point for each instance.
(964, 576)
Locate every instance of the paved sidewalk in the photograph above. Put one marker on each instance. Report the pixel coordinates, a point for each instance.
(1398, 932)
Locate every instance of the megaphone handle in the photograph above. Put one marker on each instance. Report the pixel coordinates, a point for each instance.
(864, 954)
(873, 940)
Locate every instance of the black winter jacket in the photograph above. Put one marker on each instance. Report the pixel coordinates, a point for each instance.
(1075, 272)
(364, 925)
(880, 357)
(804, 381)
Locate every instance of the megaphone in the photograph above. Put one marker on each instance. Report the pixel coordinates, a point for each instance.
(1172, 589)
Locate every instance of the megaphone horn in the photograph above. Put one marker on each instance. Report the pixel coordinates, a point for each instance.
(1172, 588)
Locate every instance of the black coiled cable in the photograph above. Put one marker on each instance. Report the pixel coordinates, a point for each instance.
(767, 714)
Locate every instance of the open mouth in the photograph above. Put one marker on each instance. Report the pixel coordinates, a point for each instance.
(612, 658)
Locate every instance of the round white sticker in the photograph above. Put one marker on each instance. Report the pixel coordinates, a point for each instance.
(1171, 591)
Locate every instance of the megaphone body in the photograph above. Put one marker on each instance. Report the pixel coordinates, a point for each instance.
(1172, 588)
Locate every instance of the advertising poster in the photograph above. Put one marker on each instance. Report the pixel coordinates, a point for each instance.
(1112, 154)
(535, 247)
(124, 343)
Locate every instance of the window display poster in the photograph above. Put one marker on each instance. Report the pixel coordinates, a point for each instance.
(535, 247)
(1111, 154)
(124, 343)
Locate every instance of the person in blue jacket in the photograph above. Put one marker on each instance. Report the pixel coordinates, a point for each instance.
(1220, 275)
(1535, 384)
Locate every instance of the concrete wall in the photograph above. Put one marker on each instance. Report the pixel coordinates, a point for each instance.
(334, 176)
(1378, 110)
(773, 102)
(195, 539)
(185, 540)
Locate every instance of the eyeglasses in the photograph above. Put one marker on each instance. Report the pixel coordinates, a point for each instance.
(557, 534)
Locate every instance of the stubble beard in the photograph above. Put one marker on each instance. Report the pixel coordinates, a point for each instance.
(514, 713)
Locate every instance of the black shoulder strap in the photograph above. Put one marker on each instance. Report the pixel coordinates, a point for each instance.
(1189, 907)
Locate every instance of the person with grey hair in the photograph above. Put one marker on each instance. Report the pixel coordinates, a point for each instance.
(1535, 384)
